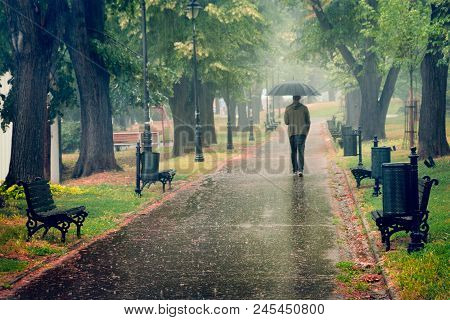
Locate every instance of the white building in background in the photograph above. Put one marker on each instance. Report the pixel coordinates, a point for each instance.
(5, 137)
(6, 141)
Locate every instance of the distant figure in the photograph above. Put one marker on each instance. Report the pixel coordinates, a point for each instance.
(297, 119)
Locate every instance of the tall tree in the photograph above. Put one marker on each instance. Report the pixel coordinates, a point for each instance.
(434, 71)
(420, 39)
(85, 34)
(206, 99)
(183, 118)
(341, 32)
(34, 31)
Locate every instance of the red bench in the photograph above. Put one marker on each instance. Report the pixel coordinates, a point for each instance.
(128, 139)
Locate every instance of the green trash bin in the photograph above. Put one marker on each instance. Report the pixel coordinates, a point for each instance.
(396, 189)
(349, 141)
(150, 166)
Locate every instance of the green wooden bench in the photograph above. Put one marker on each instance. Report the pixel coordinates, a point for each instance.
(42, 212)
(390, 224)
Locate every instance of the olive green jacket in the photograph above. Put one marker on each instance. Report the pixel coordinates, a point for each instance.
(296, 117)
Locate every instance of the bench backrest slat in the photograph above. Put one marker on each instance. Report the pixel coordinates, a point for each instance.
(421, 190)
(38, 195)
(425, 195)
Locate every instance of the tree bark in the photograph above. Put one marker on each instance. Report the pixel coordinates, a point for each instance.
(183, 118)
(243, 123)
(216, 101)
(233, 107)
(353, 107)
(47, 148)
(256, 105)
(34, 51)
(432, 131)
(206, 99)
(86, 23)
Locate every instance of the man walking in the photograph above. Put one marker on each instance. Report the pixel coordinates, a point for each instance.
(296, 117)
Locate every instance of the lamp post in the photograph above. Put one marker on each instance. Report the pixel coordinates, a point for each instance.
(229, 126)
(192, 10)
(146, 162)
(416, 236)
(267, 98)
(147, 130)
(251, 135)
(273, 97)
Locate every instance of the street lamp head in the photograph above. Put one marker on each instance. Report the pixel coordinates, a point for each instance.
(192, 9)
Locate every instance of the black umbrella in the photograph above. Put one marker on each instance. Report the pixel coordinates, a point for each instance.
(293, 88)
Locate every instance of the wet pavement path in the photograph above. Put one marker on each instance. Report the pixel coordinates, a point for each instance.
(250, 231)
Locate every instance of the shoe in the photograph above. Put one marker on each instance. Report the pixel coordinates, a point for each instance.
(295, 173)
(300, 173)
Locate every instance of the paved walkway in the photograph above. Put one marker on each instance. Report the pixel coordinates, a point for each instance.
(250, 231)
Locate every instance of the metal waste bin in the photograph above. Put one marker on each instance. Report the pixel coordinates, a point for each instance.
(349, 141)
(380, 155)
(331, 124)
(396, 189)
(150, 166)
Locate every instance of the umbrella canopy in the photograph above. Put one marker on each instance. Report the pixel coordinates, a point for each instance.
(293, 88)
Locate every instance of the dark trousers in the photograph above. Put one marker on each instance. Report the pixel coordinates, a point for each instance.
(297, 152)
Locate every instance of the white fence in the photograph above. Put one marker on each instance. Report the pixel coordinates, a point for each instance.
(6, 141)
(5, 137)
(5, 152)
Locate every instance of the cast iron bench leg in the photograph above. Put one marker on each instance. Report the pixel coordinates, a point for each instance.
(33, 227)
(45, 231)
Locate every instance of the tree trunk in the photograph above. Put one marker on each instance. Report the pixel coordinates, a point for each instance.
(256, 105)
(216, 101)
(96, 148)
(232, 106)
(432, 131)
(47, 148)
(206, 99)
(373, 110)
(183, 118)
(243, 123)
(352, 107)
(374, 106)
(34, 51)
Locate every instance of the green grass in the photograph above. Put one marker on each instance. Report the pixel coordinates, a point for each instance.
(44, 250)
(324, 109)
(12, 265)
(105, 204)
(347, 272)
(350, 275)
(425, 274)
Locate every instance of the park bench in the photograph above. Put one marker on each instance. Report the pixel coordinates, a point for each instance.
(271, 124)
(42, 212)
(147, 170)
(390, 224)
(335, 132)
(128, 139)
(164, 177)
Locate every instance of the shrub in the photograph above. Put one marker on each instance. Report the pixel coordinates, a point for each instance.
(16, 192)
(70, 136)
